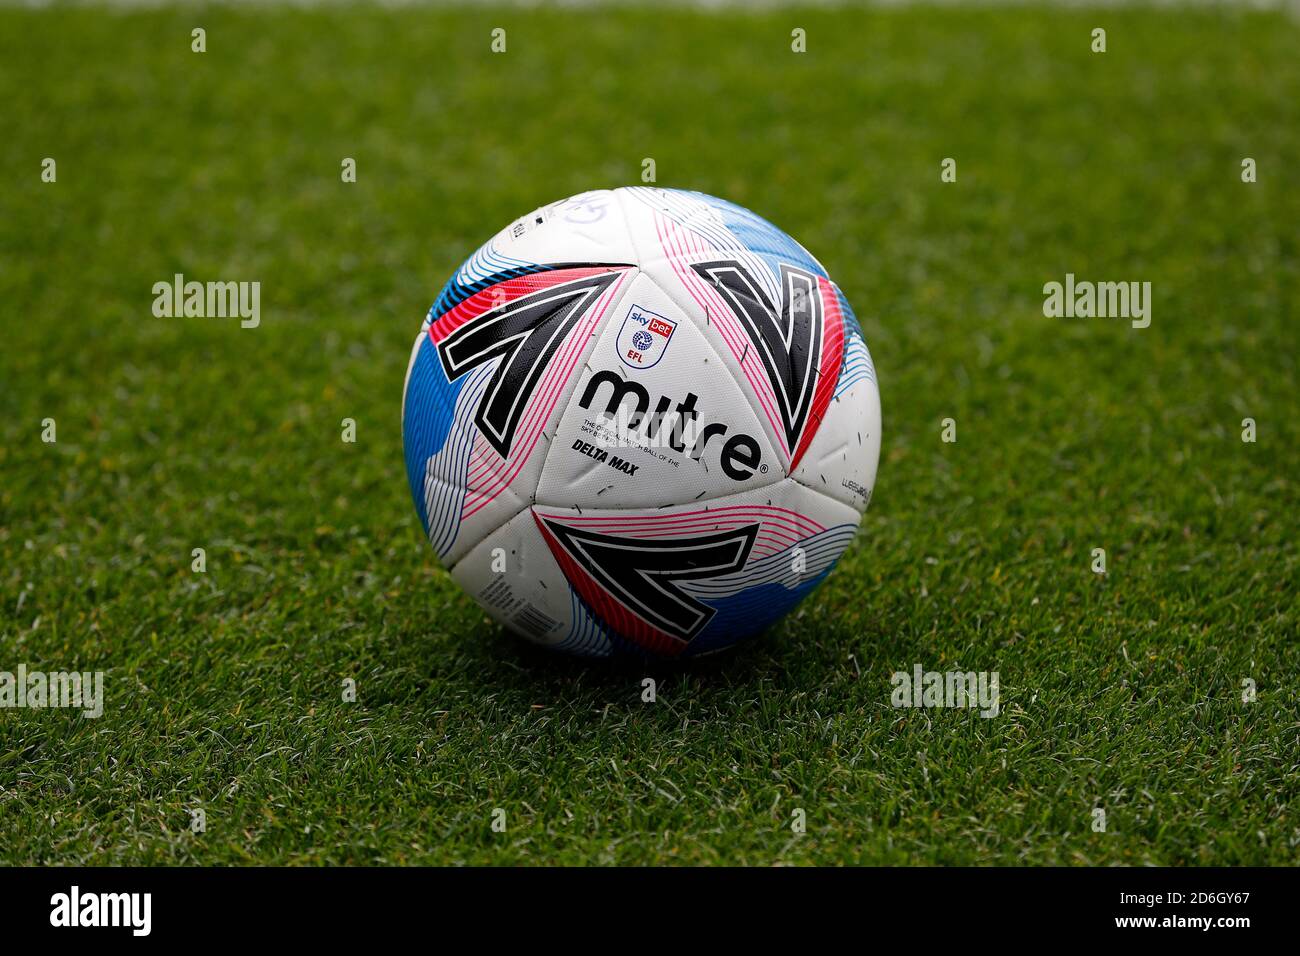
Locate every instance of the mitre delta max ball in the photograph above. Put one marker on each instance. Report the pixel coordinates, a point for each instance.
(640, 420)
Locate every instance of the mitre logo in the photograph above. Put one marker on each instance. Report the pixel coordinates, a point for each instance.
(672, 425)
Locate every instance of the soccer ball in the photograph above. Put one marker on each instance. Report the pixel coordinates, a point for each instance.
(640, 420)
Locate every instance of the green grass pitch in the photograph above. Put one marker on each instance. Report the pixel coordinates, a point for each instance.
(1121, 692)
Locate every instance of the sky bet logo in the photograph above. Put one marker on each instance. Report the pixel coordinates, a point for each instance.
(134, 910)
(644, 337)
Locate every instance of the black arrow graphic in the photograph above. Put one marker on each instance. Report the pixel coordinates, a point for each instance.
(788, 342)
(524, 334)
(643, 573)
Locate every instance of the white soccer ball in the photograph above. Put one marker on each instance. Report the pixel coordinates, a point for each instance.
(640, 420)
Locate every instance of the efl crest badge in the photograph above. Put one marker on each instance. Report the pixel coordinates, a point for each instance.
(644, 337)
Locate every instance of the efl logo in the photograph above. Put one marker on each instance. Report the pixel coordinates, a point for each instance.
(644, 337)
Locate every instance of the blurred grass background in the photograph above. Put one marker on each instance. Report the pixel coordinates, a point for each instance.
(1121, 692)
